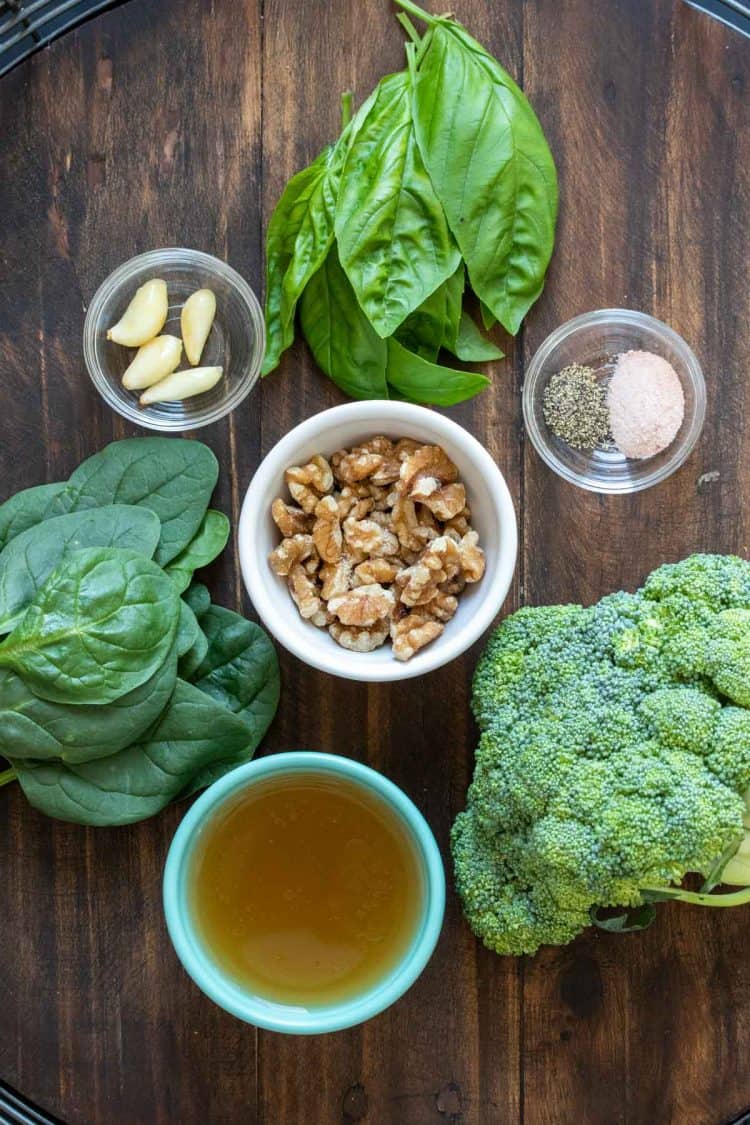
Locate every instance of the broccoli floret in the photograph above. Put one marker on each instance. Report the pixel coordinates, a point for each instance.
(611, 762)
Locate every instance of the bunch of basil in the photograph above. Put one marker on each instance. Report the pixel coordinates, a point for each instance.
(121, 686)
(443, 174)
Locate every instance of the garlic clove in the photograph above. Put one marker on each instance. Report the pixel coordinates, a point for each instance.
(153, 361)
(196, 319)
(182, 384)
(144, 317)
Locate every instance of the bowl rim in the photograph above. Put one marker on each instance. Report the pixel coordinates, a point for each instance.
(602, 317)
(231, 996)
(119, 277)
(384, 416)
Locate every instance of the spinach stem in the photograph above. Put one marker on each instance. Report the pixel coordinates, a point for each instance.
(409, 28)
(736, 898)
(414, 10)
(347, 105)
(6, 776)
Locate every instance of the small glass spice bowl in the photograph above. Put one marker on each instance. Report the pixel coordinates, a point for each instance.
(595, 340)
(236, 341)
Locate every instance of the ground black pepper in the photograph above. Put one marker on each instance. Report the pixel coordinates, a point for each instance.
(575, 408)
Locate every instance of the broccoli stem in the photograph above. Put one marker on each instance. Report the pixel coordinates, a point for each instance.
(660, 894)
(6, 776)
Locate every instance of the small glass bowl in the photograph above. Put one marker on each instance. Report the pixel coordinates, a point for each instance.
(595, 340)
(236, 341)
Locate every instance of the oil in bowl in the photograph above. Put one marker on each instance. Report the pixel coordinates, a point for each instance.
(307, 889)
(304, 892)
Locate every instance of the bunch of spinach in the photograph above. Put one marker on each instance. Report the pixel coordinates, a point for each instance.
(443, 176)
(122, 687)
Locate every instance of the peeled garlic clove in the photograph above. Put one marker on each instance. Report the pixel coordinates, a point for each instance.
(196, 319)
(182, 384)
(144, 317)
(152, 362)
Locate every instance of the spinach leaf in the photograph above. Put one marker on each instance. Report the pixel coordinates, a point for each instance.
(198, 598)
(300, 234)
(193, 735)
(36, 728)
(173, 477)
(394, 243)
(240, 669)
(341, 338)
(470, 345)
(491, 168)
(421, 381)
(188, 629)
(434, 325)
(206, 545)
(25, 509)
(191, 660)
(29, 559)
(101, 626)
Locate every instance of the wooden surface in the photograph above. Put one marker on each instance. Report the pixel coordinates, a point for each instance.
(178, 122)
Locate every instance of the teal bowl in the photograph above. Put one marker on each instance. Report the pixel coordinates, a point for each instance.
(225, 991)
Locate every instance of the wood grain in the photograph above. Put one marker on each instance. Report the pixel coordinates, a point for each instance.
(179, 123)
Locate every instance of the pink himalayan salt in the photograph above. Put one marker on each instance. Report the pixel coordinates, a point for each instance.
(646, 404)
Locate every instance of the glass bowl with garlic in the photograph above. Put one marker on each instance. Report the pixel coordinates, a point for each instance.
(174, 339)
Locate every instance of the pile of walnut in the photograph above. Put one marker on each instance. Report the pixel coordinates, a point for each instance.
(379, 545)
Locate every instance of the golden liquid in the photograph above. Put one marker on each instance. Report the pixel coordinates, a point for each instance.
(307, 889)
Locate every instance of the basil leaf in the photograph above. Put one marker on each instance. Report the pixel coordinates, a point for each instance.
(340, 336)
(193, 735)
(240, 669)
(491, 168)
(421, 381)
(434, 325)
(173, 477)
(300, 233)
(470, 345)
(26, 509)
(206, 545)
(101, 626)
(489, 320)
(198, 598)
(394, 243)
(27, 562)
(36, 728)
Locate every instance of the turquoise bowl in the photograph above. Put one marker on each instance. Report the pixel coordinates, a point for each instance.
(225, 991)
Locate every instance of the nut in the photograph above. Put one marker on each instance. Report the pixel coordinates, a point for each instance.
(424, 465)
(359, 640)
(438, 563)
(364, 605)
(413, 632)
(349, 468)
(290, 552)
(444, 501)
(289, 520)
(336, 579)
(307, 483)
(379, 570)
(326, 532)
(304, 591)
(472, 557)
(367, 535)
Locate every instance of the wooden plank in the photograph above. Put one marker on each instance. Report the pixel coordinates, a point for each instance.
(647, 110)
(141, 129)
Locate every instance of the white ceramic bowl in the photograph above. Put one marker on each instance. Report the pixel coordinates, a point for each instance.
(493, 516)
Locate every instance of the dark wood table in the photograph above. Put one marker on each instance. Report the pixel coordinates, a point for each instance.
(177, 123)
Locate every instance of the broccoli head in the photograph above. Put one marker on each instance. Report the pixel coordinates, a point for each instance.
(614, 756)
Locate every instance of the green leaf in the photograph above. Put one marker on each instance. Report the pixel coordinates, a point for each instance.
(188, 629)
(434, 325)
(471, 346)
(207, 544)
(340, 336)
(491, 168)
(194, 657)
(489, 320)
(631, 920)
(29, 559)
(394, 242)
(100, 626)
(26, 509)
(36, 728)
(240, 669)
(173, 477)
(420, 381)
(193, 736)
(300, 234)
(198, 598)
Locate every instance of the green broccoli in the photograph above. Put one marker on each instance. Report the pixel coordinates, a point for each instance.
(614, 757)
